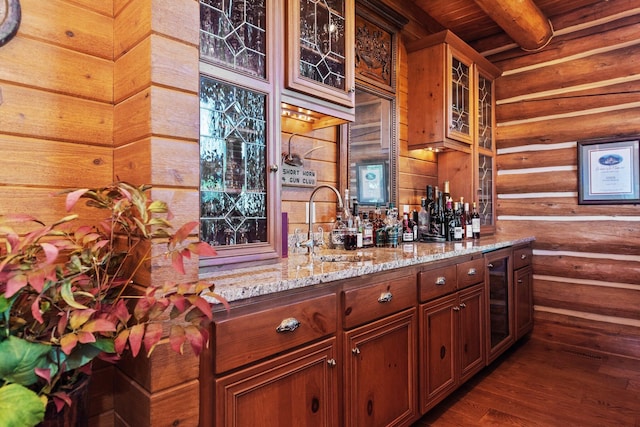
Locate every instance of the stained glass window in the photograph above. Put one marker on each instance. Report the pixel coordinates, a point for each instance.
(485, 175)
(233, 199)
(485, 114)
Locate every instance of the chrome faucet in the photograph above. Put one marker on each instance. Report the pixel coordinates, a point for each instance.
(311, 242)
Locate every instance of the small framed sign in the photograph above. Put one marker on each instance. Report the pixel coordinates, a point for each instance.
(372, 183)
(608, 172)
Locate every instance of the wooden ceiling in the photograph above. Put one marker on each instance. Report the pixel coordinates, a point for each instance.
(471, 23)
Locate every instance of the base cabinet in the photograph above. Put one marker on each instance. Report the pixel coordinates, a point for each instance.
(380, 372)
(451, 343)
(297, 389)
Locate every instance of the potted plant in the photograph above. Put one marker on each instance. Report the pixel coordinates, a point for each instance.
(67, 296)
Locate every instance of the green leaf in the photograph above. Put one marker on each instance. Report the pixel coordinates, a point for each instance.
(20, 358)
(20, 407)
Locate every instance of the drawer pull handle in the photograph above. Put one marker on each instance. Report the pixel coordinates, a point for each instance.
(456, 308)
(490, 265)
(463, 305)
(355, 350)
(385, 297)
(332, 363)
(441, 281)
(523, 256)
(289, 324)
(471, 272)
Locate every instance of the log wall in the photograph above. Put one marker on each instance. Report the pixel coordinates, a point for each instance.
(584, 85)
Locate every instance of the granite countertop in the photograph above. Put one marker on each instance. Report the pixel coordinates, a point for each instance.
(300, 269)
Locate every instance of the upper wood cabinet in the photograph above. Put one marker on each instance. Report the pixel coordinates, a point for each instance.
(320, 52)
(451, 111)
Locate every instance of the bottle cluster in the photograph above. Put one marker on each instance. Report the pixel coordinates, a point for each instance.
(441, 219)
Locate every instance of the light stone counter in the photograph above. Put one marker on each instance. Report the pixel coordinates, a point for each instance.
(301, 270)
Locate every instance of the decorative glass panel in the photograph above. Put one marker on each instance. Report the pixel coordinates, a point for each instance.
(232, 34)
(233, 199)
(485, 202)
(322, 42)
(460, 105)
(485, 113)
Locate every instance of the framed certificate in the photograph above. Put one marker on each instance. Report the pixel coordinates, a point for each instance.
(608, 172)
(372, 183)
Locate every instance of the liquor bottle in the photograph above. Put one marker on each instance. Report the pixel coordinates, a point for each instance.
(357, 224)
(413, 222)
(423, 219)
(467, 220)
(458, 229)
(367, 231)
(445, 191)
(346, 211)
(407, 231)
(338, 232)
(475, 222)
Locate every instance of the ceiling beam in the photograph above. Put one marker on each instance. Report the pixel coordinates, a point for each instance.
(522, 20)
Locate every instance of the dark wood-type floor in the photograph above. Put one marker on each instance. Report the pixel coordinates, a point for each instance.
(541, 384)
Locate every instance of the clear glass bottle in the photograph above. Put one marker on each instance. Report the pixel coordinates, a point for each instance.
(338, 232)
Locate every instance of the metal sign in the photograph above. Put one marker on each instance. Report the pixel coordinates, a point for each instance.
(296, 176)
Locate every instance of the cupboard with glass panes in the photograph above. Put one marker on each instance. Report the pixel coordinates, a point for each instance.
(245, 79)
(451, 112)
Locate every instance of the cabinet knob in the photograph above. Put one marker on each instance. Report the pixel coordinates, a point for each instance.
(355, 350)
(456, 308)
(519, 281)
(523, 256)
(463, 305)
(289, 324)
(332, 363)
(471, 272)
(441, 281)
(490, 265)
(385, 297)
(273, 168)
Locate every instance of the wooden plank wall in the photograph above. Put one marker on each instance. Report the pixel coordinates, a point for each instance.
(584, 85)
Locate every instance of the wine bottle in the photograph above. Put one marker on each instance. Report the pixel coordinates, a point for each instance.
(475, 222)
(467, 219)
(458, 232)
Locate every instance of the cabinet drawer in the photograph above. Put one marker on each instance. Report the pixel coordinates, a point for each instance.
(372, 302)
(436, 282)
(253, 336)
(522, 257)
(470, 272)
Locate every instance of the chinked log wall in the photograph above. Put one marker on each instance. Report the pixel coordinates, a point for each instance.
(584, 85)
(92, 91)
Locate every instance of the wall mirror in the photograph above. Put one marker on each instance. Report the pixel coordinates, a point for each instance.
(372, 149)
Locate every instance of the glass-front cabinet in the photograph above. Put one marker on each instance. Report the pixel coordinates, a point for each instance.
(460, 80)
(485, 150)
(320, 60)
(237, 112)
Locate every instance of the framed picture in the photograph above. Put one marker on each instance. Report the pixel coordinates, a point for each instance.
(608, 172)
(372, 183)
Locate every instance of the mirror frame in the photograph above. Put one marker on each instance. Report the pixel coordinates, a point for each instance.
(392, 172)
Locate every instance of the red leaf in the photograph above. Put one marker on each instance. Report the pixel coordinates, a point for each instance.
(60, 399)
(68, 343)
(177, 338)
(50, 252)
(179, 302)
(35, 310)
(86, 337)
(99, 325)
(135, 339)
(14, 284)
(120, 342)
(44, 373)
(195, 339)
(184, 232)
(121, 311)
(202, 305)
(152, 336)
(73, 197)
(176, 261)
(202, 249)
(36, 279)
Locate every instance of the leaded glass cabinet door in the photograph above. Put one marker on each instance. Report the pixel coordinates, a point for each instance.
(459, 109)
(485, 152)
(320, 49)
(233, 35)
